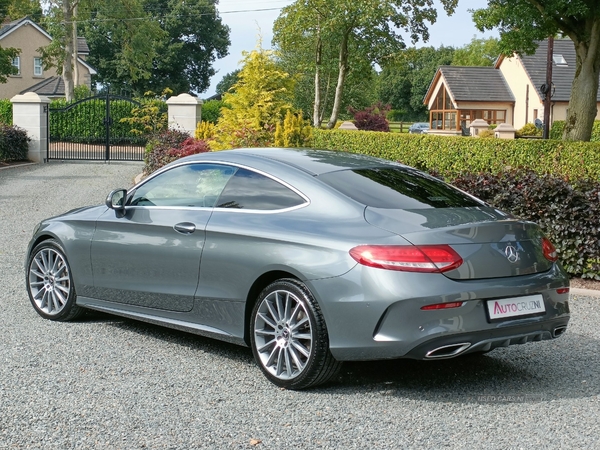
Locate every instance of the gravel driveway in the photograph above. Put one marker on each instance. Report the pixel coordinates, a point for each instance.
(111, 383)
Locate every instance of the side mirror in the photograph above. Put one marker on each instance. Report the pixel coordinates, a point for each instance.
(116, 200)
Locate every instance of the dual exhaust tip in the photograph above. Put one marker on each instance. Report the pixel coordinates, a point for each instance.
(449, 351)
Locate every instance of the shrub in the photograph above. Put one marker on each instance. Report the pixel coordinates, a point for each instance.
(188, 147)
(14, 143)
(150, 116)
(372, 118)
(244, 135)
(205, 130)
(294, 132)
(568, 214)
(159, 147)
(211, 111)
(486, 134)
(6, 112)
(529, 129)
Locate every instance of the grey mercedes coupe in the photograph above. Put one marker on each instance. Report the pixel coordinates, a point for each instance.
(309, 257)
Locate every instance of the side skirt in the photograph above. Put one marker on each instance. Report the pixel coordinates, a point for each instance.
(188, 327)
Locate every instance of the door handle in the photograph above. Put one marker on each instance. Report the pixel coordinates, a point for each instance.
(185, 227)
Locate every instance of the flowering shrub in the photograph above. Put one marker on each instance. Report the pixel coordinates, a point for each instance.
(169, 146)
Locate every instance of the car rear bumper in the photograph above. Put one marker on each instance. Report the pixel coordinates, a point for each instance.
(376, 314)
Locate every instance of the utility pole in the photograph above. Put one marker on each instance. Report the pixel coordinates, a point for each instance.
(547, 88)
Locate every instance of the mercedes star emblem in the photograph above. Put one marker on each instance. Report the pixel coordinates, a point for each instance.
(512, 254)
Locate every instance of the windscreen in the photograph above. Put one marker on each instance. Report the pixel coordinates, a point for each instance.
(397, 188)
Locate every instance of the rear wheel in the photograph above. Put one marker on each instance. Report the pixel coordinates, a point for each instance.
(289, 337)
(50, 283)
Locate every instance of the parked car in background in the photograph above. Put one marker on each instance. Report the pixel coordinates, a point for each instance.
(418, 127)
(308, 257)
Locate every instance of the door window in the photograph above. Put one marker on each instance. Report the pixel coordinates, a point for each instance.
(190, 185)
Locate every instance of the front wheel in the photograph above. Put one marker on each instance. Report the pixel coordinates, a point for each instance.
(289, 337)
(50, 283)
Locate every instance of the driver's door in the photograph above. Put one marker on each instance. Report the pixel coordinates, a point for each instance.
(149, 254)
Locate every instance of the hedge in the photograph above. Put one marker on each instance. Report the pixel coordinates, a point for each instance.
(14, 143)
(84, 122)
(556, 131)
(6, 112)
(452, 156)
(568, 215)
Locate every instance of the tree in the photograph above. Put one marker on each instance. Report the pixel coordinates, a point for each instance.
(365, 28)
(523, 22)
(257, 103)
(122, 38)
(6, 54)
(139, 45)
(360, 87)
(406, 78)
(479, 52)
(194, 38)
(227, 82)
(21, 8)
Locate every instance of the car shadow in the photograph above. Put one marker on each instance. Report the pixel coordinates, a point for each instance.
(526, 373)
(190, 340)
(523, 373)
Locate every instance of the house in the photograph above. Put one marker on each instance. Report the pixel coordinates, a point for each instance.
(28, 36)
(509, 92)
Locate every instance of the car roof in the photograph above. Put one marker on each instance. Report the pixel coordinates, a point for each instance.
(311, 161)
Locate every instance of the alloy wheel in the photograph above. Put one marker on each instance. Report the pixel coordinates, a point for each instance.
(49, 281)
(283, 335)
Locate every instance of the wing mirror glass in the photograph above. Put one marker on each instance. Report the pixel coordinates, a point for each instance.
(116, 200)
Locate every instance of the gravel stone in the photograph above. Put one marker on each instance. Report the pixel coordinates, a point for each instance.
(112, 383)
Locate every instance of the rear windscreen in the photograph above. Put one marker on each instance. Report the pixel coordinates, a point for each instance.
(397, 188)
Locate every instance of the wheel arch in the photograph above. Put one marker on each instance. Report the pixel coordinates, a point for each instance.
(259, 284)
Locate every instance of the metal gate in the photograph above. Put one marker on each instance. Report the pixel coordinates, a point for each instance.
(91, 129)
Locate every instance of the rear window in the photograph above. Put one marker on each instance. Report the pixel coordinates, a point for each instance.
(397, 188)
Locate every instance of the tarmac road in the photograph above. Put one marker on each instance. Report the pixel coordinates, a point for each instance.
(112, 383)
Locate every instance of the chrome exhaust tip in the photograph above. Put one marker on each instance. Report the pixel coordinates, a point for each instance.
(447, 351)
(559, 331)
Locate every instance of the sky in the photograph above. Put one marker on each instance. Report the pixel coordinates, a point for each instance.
(249, 19)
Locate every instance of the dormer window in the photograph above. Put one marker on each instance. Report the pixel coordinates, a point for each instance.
(16, 63)
(559, 60)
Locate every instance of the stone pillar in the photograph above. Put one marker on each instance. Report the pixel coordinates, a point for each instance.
(477, 126)
(30, 112)
(184, 112)
(505, 131)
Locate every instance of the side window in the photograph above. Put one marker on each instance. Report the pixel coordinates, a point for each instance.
(191, 185)
(251, 190)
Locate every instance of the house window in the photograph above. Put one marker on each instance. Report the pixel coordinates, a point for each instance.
(16, 62)
(38, 69)
(443, 114)
(535, 114)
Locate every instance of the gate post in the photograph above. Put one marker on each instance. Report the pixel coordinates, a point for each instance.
(184, 112)
(30, 112)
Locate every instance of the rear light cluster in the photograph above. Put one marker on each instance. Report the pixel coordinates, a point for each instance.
(408, 258)
(549, 250)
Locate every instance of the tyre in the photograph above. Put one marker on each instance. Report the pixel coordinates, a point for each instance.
(289, 337)
(50, 283)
